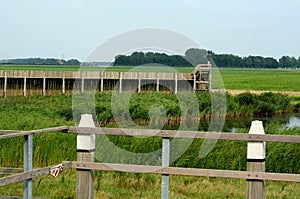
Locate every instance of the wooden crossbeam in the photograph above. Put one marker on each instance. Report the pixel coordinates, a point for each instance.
(187, 171)
(186, 134)
(13, 134)
(29, 174)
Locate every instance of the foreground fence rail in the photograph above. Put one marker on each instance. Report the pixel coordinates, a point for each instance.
(255, 175)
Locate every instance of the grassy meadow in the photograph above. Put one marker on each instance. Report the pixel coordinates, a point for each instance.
(35, 112)
(261, 79)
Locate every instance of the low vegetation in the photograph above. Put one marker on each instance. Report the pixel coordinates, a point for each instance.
(35, 112)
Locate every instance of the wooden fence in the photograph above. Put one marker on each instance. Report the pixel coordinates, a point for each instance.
(255, 174)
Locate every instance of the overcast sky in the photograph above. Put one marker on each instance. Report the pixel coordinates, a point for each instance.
(74, 28)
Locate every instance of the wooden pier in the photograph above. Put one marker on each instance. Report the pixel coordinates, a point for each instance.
(39, 82)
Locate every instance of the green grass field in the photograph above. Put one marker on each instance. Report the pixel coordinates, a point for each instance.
(261, 79)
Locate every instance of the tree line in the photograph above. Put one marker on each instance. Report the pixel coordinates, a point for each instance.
(140, 58)
(195, 56)
(229, 60)
(191, 58)
(40, 61)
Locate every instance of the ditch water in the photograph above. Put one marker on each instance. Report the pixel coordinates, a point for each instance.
(284, 121)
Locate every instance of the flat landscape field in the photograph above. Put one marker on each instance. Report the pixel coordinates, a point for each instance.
(261, 79)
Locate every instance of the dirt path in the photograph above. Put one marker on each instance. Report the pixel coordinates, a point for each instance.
(236, 92)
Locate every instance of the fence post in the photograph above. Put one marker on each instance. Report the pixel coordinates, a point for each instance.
(63, 83)
(256, 153)
(120, 82)
(101, 81)
(194, 82)
(176, 83)
(139, 84)
(27, 165)
(165, 163)
(157, 82)
(24, 86)
(5, 84)
(44, 85)
(82, 82)
(85, 152)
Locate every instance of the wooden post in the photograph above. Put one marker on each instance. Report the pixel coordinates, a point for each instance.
(5, 84)
(194, 85)
(256, 153)
(63, 83)
(209, 76)
(176, 83)
(120, 81)
(85, 152)
(24, 86)
(101, 86)
(165, 163)
(139, 85)
(82, 82)
(157, 82)
(44, 85)
(27, 165)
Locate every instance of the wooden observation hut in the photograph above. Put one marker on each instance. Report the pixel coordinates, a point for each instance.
(202, 77)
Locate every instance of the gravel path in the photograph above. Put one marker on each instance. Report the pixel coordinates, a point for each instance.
(236, 92)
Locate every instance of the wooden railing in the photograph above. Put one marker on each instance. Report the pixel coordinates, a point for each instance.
(255, 175)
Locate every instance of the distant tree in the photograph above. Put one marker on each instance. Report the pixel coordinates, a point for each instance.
(74, 62)
(288, 62)
(121, 60)
(284, 62)
(196, 56)
(140, 58)
(271, 63)
(227, 60)
(294, 62)
(41, 61)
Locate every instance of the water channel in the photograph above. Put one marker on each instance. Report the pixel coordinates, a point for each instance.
(283, 121)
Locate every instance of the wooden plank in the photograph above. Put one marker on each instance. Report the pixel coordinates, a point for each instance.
(22, 133)
(187, 171)
(30, 174)
(187, 134)
(93, 74)
(23, 176)
(16, 197)
(9, 131)
(161, 133)
(9, 171)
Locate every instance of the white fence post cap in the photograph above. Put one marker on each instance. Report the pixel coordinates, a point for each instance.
(86, 121)
(86, 141)
(256, 150)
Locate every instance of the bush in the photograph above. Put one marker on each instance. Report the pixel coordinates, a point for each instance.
(245, 99)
